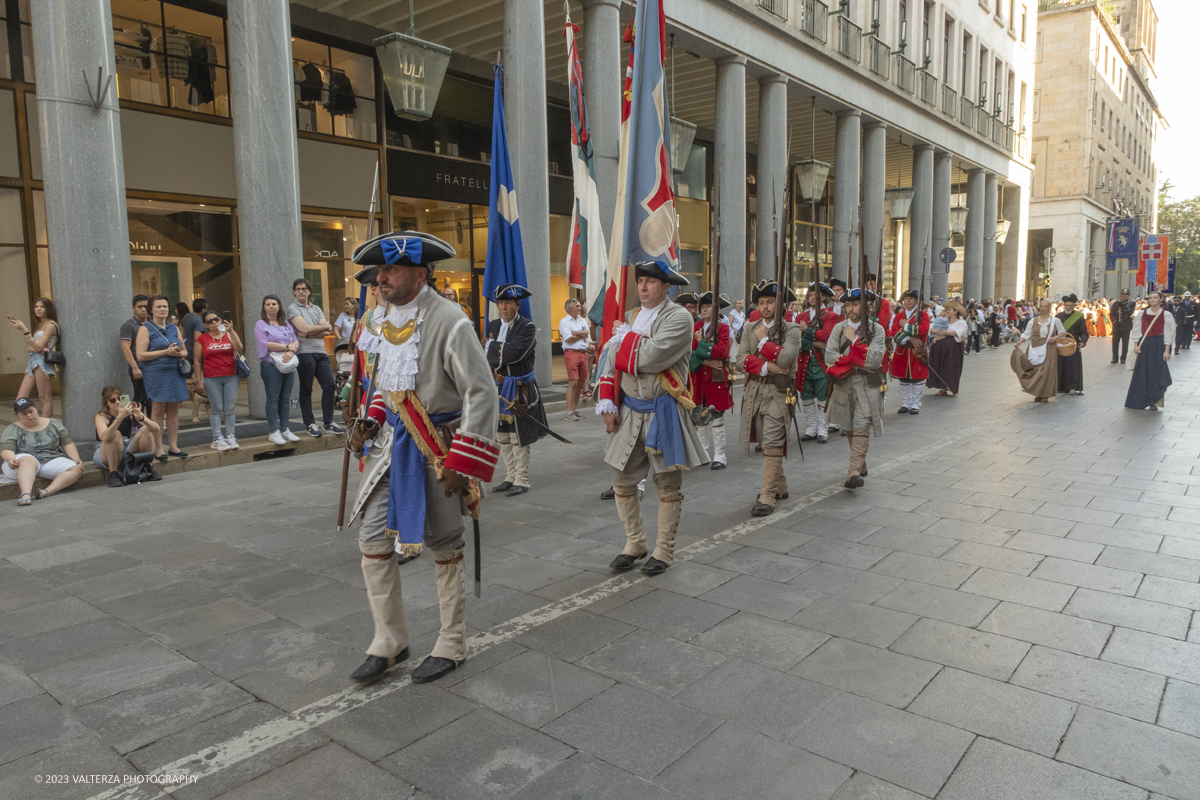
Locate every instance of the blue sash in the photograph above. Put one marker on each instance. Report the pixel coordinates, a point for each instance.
(406, 488)
(665, 433)
(508, 393)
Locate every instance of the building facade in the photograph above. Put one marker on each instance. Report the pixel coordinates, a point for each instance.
(234, 148)
(1095, 121)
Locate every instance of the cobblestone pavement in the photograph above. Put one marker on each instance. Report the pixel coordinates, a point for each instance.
(1009, 610)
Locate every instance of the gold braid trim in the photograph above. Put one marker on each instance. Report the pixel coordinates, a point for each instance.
(679, 389)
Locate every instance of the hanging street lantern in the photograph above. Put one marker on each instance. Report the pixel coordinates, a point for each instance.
(1002, 227)
(958, 219)
(413, 70)
(812, 176)
(899, 201)
(683, 133)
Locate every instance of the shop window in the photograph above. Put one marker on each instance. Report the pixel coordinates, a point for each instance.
(5, 55)
(14, 277)
(328, 243)
(692, 182)
(335, 91)
(10, 162)
(170, 56)
(461, 126)
(16, 64)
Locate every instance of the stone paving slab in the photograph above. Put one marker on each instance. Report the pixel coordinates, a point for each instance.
(1012, 614)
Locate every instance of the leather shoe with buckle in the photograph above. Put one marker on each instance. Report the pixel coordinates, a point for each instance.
(502, 487)
(717, 465)
(654, 567)
(761, 510)
(624, 563)
(516, 490)
(434, 667)
(608, 494)
(375, 667)
(855, 482)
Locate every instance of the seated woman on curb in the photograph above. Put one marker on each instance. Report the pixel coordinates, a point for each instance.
(36, 447)
(115, 435)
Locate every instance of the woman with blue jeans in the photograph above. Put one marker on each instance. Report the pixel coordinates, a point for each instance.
(217, 373)
(276, 339)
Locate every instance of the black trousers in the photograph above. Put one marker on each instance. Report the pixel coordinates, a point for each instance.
(139, 391)
(1121, 341)
(316, 365)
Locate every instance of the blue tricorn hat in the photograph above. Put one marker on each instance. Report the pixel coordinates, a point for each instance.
(658, 269)
(855, 295)
(821, 287)
(511, 291)
(767, 288)
(404, 248)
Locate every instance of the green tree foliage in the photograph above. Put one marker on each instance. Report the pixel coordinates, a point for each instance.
(1180, 219)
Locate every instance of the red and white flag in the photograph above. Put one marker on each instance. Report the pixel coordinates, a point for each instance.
(587, 254)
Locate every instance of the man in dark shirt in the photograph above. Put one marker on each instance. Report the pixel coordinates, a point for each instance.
(192, 325)
(129, 330)
(1121, 314)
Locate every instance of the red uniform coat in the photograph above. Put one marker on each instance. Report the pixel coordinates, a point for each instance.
(825, 323)
(904, 365)
(705, 390)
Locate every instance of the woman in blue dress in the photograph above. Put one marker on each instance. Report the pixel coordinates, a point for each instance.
(160, 349)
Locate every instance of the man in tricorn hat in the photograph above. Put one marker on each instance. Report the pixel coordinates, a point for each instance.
(510, 352)
(1070, 368)
(909, 329)
(768, 355)
(816, 323)
(838, 287)
(710, 378)
(430, 423)
(644, 399)
(689, 301)
(854, 356)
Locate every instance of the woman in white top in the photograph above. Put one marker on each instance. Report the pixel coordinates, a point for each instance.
(946, 352)
(1155, 332)
(344, 325)
(1035, 358)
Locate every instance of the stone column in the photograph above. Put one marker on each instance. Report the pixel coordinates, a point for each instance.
(1012, 252)
(730, 169)
(525, 116)
(602, 92)
(874, 180)
(86, 222)
(991, 186)
(772, 171)
(920, 245)
(266, 161)
(941, 224)
(973, 260)
(845, 193)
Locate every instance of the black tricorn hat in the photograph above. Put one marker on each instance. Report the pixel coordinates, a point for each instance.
(658, 269)
(707, 298)
(511, 291)
(854, 295)
(913, 293)
(837, 282)
(822, 287)
(687, 298)
(405, 248)
(1071, 298)
(767, 288)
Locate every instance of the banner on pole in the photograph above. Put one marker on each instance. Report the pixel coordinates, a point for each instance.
(1122, 242)
(587, 253)
(505, 254)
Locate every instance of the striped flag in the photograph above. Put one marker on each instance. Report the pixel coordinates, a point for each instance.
(587, 254)
(644, 225)
(505, 253)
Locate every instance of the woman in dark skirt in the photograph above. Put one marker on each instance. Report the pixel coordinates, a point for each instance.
(1155, 329)
(946, 351)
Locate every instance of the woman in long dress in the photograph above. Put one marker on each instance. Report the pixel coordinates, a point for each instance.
(1039, 343)
(1155, 329)
(946, 352)
(1089, 316)
(1102, 319)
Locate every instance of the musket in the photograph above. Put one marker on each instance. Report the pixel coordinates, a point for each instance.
(714, 279)
(356, 369)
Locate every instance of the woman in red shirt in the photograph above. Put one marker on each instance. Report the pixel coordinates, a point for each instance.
(216, 372)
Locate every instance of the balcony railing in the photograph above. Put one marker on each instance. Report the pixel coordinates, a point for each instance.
(983, 123)
(776, 7)
(904, 73)
(815, 19)
(966, 112)
(849, 39)
(1010, 139)
(879, 60)
(949, 101)
(929, 86)
(998, 128)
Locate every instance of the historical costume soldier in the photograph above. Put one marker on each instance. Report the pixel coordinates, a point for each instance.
(854, 356)
(1121, 315)
(509, 347)
(768, 356)
(816, 323)
(838, 287)
(430, 425)
(1185, 321)
(644, 399)
(1070, 368)
(710, 379)
(689, 301)
(908, 331)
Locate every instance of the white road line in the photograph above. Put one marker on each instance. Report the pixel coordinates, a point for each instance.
(261, 738)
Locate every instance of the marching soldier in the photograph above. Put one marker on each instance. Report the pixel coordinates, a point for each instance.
(689, 301)
(909, 329)
(816, 323)
(769, 360)
(510, 353)
(710, 379)
(854, 356)
(430, 422)
(644, 399)
(838, 287)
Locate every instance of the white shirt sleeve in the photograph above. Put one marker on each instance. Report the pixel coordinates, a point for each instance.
(564, 329)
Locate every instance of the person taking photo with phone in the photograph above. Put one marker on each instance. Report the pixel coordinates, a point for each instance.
(43, 356)
(116, 435)
(214, 357)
